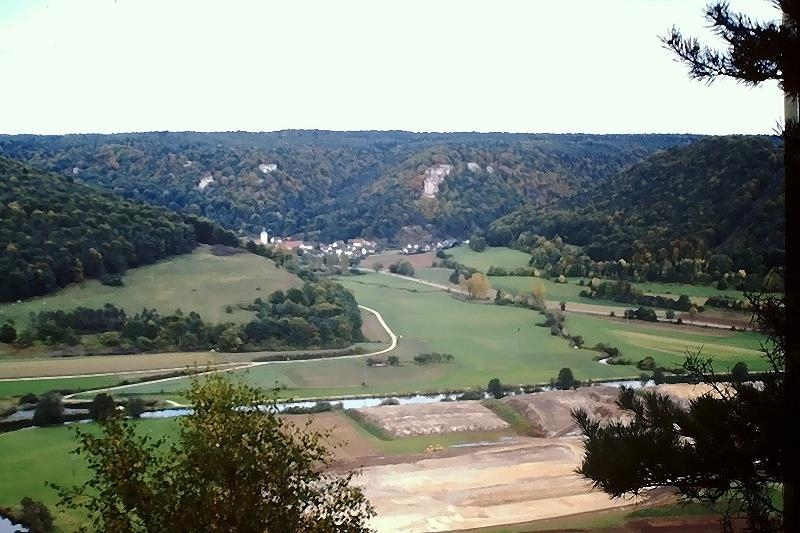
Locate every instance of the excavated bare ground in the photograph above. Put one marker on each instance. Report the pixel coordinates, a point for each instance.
(433, 418)
(527, 480)
(550, 413)
(502, 484)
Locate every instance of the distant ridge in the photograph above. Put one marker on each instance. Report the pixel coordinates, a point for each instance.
(336, 185)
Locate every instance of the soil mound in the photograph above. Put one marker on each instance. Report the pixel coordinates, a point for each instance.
(550, 413)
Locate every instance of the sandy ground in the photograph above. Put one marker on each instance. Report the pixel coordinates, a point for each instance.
(434, 418)
(488, 485)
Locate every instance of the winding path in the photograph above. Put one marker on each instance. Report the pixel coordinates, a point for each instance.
(232, 366)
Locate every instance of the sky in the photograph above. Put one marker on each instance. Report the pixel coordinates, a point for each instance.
(591, 66)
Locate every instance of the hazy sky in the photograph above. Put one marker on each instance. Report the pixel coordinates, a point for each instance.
(421, 65)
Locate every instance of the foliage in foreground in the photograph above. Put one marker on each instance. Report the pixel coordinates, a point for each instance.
(725, 448)
(234, 466)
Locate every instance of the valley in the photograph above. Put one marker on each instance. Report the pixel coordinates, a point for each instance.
(283, 317)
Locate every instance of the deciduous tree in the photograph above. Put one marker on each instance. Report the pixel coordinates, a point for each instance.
(233, 466)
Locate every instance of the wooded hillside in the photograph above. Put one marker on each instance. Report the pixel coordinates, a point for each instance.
(54, 232)
(324, 185)
(688, 214)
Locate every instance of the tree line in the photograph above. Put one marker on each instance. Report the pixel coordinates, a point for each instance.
(320, 314)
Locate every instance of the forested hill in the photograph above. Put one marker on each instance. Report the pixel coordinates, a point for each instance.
(689, 213)
(54, 232)
(324, 185)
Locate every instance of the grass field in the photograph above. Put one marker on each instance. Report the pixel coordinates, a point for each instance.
(39, 386)
(483, 338)
(668, 344)
(497, 256)
(486, 344)
(199, 282)
(43, 454)
(569, 292)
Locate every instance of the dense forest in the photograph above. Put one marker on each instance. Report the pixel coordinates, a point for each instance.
(54, 232)
(698, 213)
(322, 185)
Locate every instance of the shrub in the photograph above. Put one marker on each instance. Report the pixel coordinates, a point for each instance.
(8, 333)
(648, 363)
(134, 407)
(49, 410)
(35, 515)
(102, 407)
(565, 379)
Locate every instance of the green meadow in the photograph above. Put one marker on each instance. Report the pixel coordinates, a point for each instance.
(33, 456)
(487, 341)
(40, 386)
(200, 282)
(669, 344)
(493, 256)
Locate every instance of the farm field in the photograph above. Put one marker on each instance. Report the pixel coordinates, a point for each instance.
(513, 479)
(487, 341)
(40, 386)
(433, 418)
(516, 478)
(493, 256)
(389, 257)
(25, 451)
(117, 364)
(570, 291)
(483, 339)
(667, 343)
(200, 282)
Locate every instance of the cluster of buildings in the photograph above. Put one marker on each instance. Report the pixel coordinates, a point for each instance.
(411, 249)
(354, 248)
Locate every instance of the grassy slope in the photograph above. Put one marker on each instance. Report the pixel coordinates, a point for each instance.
(668, 345)
(199, 282)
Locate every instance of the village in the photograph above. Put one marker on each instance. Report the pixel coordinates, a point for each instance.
(354, 249)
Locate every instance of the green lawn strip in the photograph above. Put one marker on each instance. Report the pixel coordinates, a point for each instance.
(570, 291)
(31, 457)
(493, 256)
(39, 386)
(514, 418)
(363, 423)
(693, 291)
(199, 282)
(669, 345)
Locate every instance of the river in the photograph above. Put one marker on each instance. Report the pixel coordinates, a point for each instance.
(358, 403)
